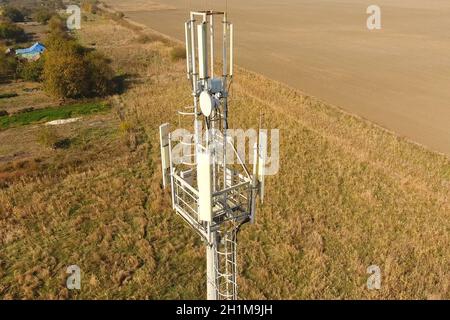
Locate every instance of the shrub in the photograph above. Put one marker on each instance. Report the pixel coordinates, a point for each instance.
(70, 71)
(62, 144)
(8, 95)
(13, 14)
(8, 66)
(48, 137)
(89, 6)
(9, 31)
(100, 73)
(32, 70)
(43, 15)
(55, 40)
(178, 53)
(57, 25)
(24, 110)
(125, 127)
(55, 4)
(143, 38)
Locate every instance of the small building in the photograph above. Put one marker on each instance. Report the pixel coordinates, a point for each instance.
(32, 53)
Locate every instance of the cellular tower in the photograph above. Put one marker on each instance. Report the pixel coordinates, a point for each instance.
(215, 196)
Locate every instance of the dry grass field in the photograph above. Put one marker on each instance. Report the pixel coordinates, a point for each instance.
(397, 77)
(348, 195)
(28, 95)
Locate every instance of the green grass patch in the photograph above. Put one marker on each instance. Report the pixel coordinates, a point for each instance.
(8, 95)
(50, 114)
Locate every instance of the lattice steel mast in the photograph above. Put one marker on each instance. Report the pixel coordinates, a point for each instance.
(214, 196)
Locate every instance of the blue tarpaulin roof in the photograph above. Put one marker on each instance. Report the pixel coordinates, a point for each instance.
(36, 48)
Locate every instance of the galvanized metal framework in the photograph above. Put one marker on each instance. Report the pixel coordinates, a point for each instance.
(213, 196)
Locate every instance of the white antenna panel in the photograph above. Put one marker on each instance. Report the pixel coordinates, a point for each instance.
(187, 27)
(165, 152)
(262, 159)
(202, 51)
(204, 186)
(231, 49)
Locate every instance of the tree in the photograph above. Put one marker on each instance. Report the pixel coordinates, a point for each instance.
(71, 71)
(57, 36)
(65, 73)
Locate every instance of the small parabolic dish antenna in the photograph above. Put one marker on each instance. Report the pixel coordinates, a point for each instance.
(207, 103)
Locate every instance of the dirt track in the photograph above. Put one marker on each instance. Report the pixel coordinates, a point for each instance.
(398, 77)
